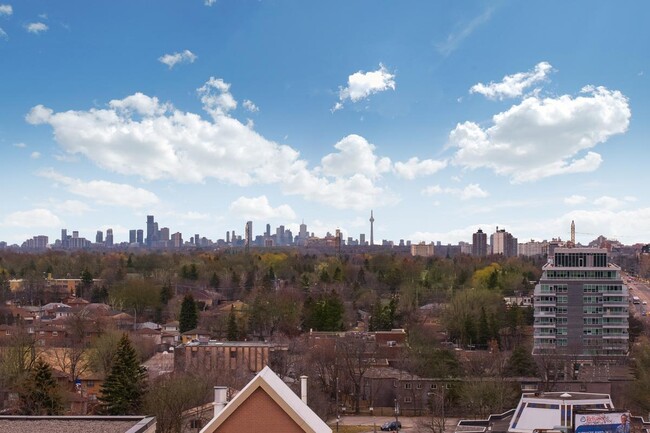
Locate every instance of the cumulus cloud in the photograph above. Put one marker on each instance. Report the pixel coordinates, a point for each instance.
(32, 219)
(259, 208)
(607, 202)
(3, 34)
(172, 60)
(513, 85)
(629, 225)
(69, 207)
(6, 10)
(19, 145)
(575, 200)
(104, 192)
(250, 106)
(355, 156)
(415, 167)
(363, 84)
(473, 190)
(185, 147)
(209, 2)
(543, 137)
(36, 28)
(35, 155)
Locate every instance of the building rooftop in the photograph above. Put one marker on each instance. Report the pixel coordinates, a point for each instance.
(69, 424)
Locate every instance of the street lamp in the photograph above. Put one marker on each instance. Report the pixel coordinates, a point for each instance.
(396, 414)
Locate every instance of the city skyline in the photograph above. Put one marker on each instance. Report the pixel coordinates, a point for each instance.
(440, 118)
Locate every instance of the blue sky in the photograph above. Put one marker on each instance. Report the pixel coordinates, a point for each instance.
(442, 117)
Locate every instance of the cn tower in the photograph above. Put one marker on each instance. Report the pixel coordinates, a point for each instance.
(372, 229)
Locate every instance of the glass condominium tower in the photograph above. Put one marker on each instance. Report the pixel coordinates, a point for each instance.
(581, 307)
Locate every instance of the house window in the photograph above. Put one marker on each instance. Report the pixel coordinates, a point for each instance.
(447, 386)
(233, 354)
(418, 386)
(90, 383)
(408, 399)
(433, 386)
(408, 385)
(54, 333)
(196, 424)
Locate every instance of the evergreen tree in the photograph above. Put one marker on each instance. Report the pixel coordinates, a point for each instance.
(40, 392)
(125, 386)
(483, 329)
(521, 362)
(166, 293)
(215, 281)
(189, 317)
(233, 331)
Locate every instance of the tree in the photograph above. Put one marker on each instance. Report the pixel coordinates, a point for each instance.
(233, 331)
(521, 362)
(125, 387)
(215, 281)
(189, 317)
(40, 392)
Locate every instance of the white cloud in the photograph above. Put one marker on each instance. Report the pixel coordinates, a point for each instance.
(69, 207)
(575, 200)
(363, 84)
(259, 208)
(250, 106)
(32, 218)
(3, 34)
(209, 2)
(624, 225)
(6, 10)
(194, 216)
(185, 147)
(355, 156)
(172, 60)
(543, 137)
(513, 85)
(19, 145)
(35, 155)
(463, 31)
(607, 202)
(104, 192)
(415, 167)
(473, 190)
(36, 28)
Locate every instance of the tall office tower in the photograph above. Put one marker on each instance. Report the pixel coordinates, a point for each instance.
(227, 237)
(99, 237)
(248, 234)
(267, 233)
(133, 236)
(75, 234)
(233, 238)
(163, 235)
(503, 243)
(64, 238)
(362, 239)
(479, 244)
(151, 231)
(197, 240)
(581, 307)
(279, 234)
(109, 237)
(372, 229)
(303, 231)
(139, 236)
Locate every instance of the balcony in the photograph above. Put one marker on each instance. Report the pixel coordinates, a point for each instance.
(609, 313)
(545, 314)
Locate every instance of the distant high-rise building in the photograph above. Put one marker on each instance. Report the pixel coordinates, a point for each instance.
(362, 239)
(503, 243)
(372, 228)
(177, 240)
(479, 244)
(64, 238)
(573, 233)
(133, 236)
(228, 237)
(164, 234)
(109, 237)
(139, 236)
(99, 237)
(75, 234)
(248, 234)
(422, 249)
(279, 234)
(151, 230)
(197, 240)
(267, 233)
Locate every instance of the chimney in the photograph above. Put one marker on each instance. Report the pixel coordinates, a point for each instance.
(303, 389)
(219, 399)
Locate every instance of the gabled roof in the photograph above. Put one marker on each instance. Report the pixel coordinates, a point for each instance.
(282, 395)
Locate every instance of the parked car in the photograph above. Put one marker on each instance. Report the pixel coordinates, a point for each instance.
(391, 426)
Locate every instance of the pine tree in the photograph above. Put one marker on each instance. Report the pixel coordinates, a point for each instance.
(189, 317)
(521, 362)
(233, 331)
(125, 387)
(40, 393)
